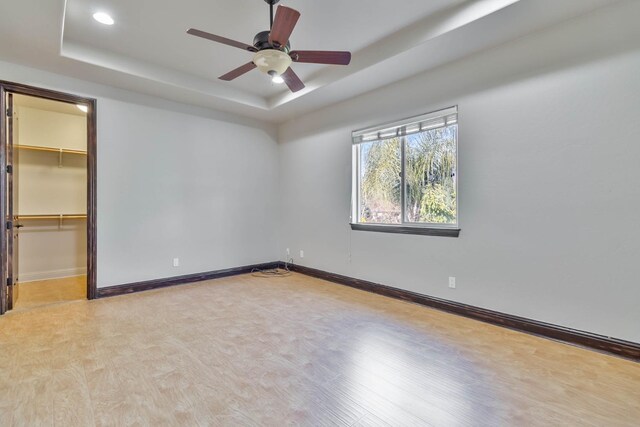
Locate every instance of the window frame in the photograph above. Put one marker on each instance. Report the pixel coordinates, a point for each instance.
(404, 227)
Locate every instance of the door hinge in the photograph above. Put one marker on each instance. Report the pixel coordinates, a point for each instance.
(9, 281)
(9, 225)
(9, 112)
(9, 168)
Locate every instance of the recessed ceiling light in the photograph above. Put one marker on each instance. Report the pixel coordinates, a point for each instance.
(82, 108)
(103, 18)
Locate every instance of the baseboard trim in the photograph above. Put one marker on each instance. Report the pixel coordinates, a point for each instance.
(626, 349)
(51, 274)
(147, 285)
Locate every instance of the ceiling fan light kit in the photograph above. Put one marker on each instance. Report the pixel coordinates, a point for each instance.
(273, 55)
(272, 60)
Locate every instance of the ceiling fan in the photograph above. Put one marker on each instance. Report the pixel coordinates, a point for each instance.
(272, 50)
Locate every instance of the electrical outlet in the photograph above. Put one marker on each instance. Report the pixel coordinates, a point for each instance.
(301, 254)
(288, 252)
(452, 282)
(176, 262)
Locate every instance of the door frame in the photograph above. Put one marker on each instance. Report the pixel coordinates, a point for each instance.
(21, 89)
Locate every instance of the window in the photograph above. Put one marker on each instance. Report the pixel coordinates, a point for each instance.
(405, 176)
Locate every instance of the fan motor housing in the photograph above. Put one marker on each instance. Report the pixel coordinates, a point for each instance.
(261, 42)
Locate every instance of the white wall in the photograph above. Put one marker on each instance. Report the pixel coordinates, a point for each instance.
(175, 185)
(45, 188)
(48, 250)
(52, 129)
(549, 194)
(174, 181)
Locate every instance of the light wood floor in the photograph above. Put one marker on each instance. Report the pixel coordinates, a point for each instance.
(273, 352)
(52, 291)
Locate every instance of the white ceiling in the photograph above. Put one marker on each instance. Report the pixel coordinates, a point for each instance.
(148, 50)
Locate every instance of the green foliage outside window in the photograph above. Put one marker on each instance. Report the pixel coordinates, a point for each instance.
(430, 178)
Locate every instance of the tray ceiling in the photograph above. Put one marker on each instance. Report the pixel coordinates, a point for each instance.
(147, 48)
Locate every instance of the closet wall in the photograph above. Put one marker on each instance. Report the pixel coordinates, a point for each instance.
(50, 183)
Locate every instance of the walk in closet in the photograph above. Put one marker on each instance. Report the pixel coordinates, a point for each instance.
(49, 201)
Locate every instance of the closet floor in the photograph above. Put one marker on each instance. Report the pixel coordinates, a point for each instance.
(52, 291)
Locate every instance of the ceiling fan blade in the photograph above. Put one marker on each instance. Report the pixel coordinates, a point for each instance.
(321, 57)
(238, 72)
(220, 39)
(292, 80)
(283, 25)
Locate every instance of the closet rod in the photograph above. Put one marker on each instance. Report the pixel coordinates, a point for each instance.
(50, 216)
(51, 149)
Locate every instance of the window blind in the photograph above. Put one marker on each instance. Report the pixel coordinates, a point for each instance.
(435, 120)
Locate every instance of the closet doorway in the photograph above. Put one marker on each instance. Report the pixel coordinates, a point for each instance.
(47, 174)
